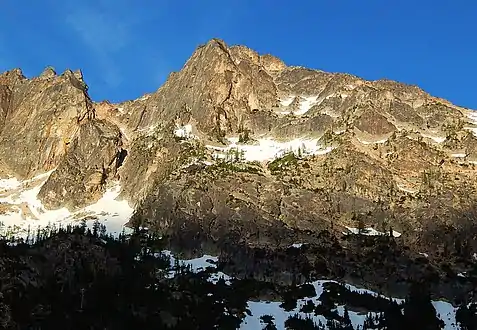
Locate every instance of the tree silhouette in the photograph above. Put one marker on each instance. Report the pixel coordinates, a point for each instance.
(419, 313)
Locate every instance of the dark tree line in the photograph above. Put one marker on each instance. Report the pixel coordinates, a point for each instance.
(76, 278)
(80, 278)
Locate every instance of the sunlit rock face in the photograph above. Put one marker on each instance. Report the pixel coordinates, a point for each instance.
(240, 145)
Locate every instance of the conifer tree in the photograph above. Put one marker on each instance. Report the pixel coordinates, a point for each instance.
(419, 313)
(466, 316)
(347, 325)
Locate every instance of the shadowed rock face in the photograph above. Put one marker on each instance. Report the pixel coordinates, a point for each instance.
(404, 113)
(388, 149)
(91, 160)
(5, 100)
(374, 123)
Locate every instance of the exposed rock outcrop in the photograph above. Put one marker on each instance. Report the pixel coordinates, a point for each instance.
(92, 159)
(217, 89)
(382, 172)
(5, 101)
(240, 143)
(43, 116)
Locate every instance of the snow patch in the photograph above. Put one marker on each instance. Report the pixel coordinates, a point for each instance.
(372, 142)
(261, 308)
(341, 131)
(446, 312)
(405, 189)
(369, 232)
(287, 101)
(296, 245)
(459, 155)
(196, 264)
(357, 319)
(305, 104)
(8, 184)
(268, 149)
(437, 139)
(272, 308)
(372, 293)
(473, 129)
(26, 212)
(144, 97)
(324, 151)
(110, 211)
(184, 132)
(199, 264)
(472, 116)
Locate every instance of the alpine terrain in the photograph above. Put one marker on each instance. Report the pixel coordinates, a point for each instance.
(285, 189)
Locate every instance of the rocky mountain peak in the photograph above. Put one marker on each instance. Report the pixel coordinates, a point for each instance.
(239, 141)
(76, 79)
(12, 77)
(271, 63)
(218, 88)
(78, 74)
(49, 72)
(41, 117)
(253, 157)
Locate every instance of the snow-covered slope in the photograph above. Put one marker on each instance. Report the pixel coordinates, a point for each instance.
(268, 149)
(445, 311)
(22, 211)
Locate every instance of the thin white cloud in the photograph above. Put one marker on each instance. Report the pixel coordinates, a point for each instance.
(99, 30)
(104, 32)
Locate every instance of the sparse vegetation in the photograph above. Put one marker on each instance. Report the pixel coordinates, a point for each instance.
(280, 164)
(432, 178)
(327, 138)
(193, 150)
(234, 155)
(237, 167)
(244, 136)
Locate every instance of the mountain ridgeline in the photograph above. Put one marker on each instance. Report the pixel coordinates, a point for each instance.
(243, 155)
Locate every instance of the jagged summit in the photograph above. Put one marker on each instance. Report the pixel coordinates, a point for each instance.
(11, 77)
(240, 142)
(286, 172)
(48, 72)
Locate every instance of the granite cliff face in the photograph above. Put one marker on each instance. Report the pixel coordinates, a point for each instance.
(40, 117)
(240, 146)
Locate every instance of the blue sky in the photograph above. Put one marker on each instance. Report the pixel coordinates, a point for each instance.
(126, 48)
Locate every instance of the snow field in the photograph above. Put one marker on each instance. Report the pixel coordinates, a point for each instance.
(24, 211)
(268, 149)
